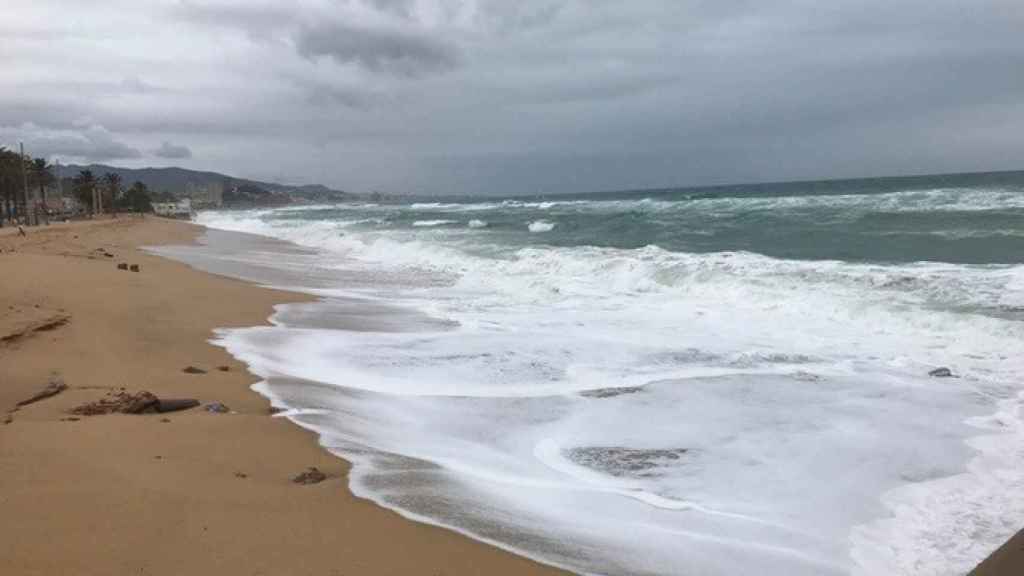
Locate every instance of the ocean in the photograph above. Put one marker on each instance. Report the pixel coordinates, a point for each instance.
(729, 380)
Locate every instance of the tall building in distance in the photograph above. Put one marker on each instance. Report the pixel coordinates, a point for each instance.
(205, 194)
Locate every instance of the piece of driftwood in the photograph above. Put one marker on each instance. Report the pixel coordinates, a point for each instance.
(46, 325)
(56, 386)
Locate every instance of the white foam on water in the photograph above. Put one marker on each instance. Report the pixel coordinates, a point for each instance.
(431, 223)
(541, 226)
(650, 412)
(936, 199)
(477, 223)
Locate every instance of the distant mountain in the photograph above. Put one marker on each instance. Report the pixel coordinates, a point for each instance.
(175, 180)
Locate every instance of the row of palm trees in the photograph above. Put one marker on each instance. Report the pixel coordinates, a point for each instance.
(16, 172)
(20, 173)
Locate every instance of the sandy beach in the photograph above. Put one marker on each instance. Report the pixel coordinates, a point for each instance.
(189, 492)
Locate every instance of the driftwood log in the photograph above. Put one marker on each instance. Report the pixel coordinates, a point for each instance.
(56, 386)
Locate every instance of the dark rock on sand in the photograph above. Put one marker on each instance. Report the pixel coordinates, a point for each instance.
(56, 386)
(217, 408)
(193, 370)
(134, 267)
(224, 368)
(274, 410)
(311, 476)
(176, 404)
(941, 373)
(122, 266)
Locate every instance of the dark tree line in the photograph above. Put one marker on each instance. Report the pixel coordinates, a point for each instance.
(15, 172)
(110, 195)
(106, 194)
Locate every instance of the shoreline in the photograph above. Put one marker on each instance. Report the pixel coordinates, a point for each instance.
(199, 493)
(134, 494)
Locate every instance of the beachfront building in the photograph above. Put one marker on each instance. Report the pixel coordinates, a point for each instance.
(205, 195)
(180, 209)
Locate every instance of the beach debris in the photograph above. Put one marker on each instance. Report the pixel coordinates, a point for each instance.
(21, 231)
(122, 266)
(274, 410)
(55, 386)
(70, 419)
(138, 403)
(8, 419)
(165, 420)
(134, 267)
(217, 408)
(119, 402)
(176, 404)
(193, 370)
(312, 475)
(224, 368)
(611, 392)
(51, 323)
(941, 373)
(241, 475)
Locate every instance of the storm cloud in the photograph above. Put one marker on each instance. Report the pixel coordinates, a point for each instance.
(173, 151)
(378, 50)
(93, 143)
(494, 97)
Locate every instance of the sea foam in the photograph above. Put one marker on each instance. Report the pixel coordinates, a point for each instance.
(646, 411)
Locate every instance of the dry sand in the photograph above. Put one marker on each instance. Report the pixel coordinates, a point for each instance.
(200, 493)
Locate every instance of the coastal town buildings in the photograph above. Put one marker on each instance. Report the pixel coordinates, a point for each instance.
(179, 209)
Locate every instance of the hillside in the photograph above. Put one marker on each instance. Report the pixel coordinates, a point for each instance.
(174, 180)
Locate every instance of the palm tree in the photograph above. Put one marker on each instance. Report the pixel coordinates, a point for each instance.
(137, 198)
(8, 183)
(84, 186)
(43, 177)
(112, 188)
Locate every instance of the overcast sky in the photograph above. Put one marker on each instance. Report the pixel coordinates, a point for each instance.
(501, 97)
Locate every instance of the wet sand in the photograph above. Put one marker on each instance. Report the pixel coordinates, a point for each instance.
(188, 492)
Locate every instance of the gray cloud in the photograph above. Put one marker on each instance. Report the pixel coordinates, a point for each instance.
(380, 50)
(489, 96)
(396, 44)
(172, 151)
(91, 142)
